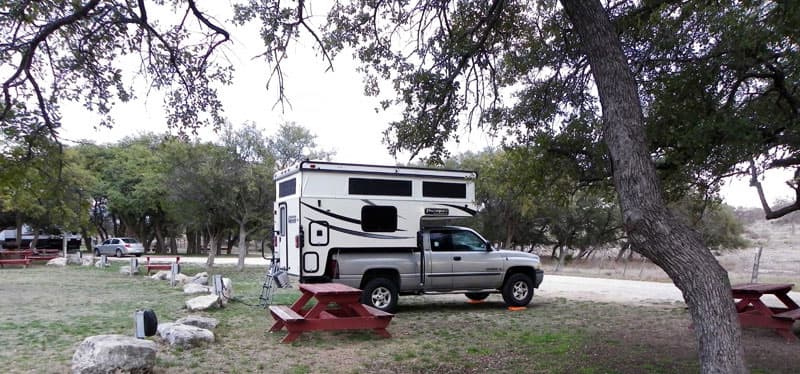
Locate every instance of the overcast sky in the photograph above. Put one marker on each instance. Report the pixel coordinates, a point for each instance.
(331, 105)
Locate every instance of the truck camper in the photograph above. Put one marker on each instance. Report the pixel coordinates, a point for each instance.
(380, 228)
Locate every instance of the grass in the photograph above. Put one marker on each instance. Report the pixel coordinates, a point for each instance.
(46, 312)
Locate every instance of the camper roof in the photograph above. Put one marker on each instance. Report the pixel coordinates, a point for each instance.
(336, 167)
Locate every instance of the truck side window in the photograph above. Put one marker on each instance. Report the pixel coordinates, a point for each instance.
(456, 241)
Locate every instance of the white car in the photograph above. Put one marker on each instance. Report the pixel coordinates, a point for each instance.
(119, 247)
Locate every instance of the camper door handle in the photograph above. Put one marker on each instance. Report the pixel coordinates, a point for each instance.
(457, 258)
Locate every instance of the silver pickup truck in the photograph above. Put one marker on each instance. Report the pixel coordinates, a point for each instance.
(451, 260)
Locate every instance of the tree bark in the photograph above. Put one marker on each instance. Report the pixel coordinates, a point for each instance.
(653, 230)
(242, 246)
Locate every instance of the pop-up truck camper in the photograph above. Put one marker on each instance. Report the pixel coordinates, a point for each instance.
(380, 229)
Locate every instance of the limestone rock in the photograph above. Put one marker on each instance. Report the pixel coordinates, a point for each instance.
(200, 278)
(194, 289)
(227, 291)
(58, 261)
(202, 302)
(186, 336)
(160, 275)
(114, 353)
(199, 321)
(181, 278)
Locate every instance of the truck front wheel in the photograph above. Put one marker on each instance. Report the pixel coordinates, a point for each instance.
(380, 293)
(518, 290)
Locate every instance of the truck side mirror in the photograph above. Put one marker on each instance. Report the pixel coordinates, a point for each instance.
(488, 246)
(419, 240)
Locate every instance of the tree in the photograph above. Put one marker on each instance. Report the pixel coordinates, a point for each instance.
(293, 143)
(251, 190)
(465, 53)
(81, 52)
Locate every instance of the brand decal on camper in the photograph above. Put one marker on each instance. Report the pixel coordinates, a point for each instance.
(292, 219)
(437, 211)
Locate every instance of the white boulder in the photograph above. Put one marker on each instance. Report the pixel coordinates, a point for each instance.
(199, 321)
(186, 336)
(160, 275)
(58, 261)
(227, 291)
(202, 302)
(114, 353)
(194, 289)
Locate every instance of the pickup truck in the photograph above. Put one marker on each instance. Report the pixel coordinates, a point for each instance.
(447, 259)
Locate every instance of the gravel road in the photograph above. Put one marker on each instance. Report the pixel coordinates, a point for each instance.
(569, 287)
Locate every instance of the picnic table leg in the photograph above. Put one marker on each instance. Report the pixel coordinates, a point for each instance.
(276, 326)
(290, 337)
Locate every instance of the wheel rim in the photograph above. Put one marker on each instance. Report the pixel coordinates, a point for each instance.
(520, 290)
(119, 253)
(381, 297)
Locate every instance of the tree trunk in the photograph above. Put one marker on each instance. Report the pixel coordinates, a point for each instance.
(212, 252)
(653, 231)
(159, 238)
(173, 245)
(242, 246)
(35, 240)
(19, 230)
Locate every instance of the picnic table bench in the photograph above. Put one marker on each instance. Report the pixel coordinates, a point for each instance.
(159, 265)
(45, 254)
(337, 308)
(754, 313)
(15, 258)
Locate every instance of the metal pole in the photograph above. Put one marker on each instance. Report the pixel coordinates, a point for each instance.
(756, 262)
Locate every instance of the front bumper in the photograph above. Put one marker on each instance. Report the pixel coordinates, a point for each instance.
(539, 277)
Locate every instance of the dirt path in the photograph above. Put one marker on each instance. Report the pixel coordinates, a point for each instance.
(568, 287)
(620, 291)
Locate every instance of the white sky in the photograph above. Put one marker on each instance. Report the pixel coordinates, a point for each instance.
(331, 105)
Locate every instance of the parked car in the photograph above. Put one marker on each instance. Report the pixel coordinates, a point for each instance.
(119, 247)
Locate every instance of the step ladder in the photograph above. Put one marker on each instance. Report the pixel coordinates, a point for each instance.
(275, 278)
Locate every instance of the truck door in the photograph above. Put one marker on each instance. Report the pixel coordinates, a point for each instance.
(474, 265)
(439, 261)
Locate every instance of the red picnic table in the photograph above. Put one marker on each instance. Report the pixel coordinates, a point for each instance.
(337, 308)
(754, 313)
(17, 257)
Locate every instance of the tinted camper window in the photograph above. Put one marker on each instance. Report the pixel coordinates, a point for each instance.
(378, 218)
(441, 189)
(382, 187)
(287, 188)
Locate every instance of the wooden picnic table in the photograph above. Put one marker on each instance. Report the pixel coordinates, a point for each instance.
(337, 307)
(18, 257)
(754, 313)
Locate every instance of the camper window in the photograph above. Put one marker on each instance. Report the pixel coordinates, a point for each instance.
(378, 218)
(380, 187)
(287, 188)
(441, 189)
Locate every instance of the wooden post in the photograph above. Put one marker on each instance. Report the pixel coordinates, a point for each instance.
(754, 276)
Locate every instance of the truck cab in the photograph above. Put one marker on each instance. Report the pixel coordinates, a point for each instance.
(448, 259)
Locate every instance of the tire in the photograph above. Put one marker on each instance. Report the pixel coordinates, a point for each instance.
(150, 322)
(119, 253)
(380, 293)
(518, 290)
(96, 252)
(477, 296)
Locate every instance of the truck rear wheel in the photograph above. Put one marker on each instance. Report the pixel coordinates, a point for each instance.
(518, 290)
(380, 293)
